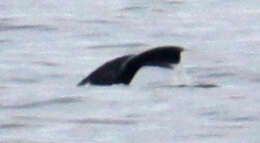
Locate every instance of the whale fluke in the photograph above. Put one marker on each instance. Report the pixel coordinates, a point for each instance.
(123, 69)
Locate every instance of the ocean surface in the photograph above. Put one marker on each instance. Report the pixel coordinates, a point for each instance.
(47, 47)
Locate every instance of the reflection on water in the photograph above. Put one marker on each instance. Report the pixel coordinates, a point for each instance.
(47, 47)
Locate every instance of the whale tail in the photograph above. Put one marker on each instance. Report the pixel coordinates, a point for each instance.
(123, 69)
(161, 56)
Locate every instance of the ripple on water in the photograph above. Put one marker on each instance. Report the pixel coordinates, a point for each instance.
(199, 85)
(210, 135)
(218, 75)
(175, 2)
(98, 21)
(123, 45)
(257, 79)
(212, 72)
(3, 41)
(92, 35)
(132, 8)
(20, 141)
(220, 115)
(243, 119)
(63, 100)
(12, 126)
(3, 87)
(5, 27)
(24, 80)
(105, 121)
(108, 121)
(5, 20)
(45, 63)
(203, 85)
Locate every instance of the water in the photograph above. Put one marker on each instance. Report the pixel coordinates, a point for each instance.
(47, 47)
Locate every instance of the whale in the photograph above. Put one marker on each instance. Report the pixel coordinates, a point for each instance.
(122, 70)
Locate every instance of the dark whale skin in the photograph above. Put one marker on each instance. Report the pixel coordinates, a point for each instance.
(123, 69)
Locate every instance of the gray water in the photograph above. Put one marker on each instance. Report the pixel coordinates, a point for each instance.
(47, 47)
